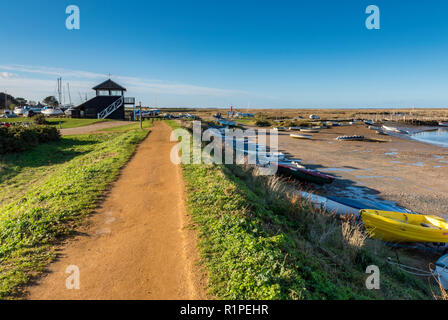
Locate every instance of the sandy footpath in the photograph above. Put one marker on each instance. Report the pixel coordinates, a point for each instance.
(137, 245)
(410, 173)
(93, 127)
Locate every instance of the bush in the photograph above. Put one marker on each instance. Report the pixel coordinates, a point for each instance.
(40, 119)
(18, 139)
(262, 123)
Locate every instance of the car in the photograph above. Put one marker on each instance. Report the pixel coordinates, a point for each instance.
(8, 115)
(29, 113)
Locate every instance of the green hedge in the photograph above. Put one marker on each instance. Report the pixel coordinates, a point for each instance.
(18, 139)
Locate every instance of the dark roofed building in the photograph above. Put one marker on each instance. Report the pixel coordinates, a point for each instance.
(109, 103)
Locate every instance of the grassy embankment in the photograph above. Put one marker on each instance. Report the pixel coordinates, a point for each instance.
(258, 240)
(66, 123)
(46, 193)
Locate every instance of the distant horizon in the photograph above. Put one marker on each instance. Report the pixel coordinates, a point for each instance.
(260, 54)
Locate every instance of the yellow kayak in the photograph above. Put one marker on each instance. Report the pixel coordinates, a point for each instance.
(404, 227)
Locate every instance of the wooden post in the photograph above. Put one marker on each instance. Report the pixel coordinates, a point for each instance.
(141, 123)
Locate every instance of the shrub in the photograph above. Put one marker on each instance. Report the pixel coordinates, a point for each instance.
(18, 139)
(40, 119)
(262, 123)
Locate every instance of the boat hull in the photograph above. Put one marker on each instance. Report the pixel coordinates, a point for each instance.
(305, 175)
(404, 227)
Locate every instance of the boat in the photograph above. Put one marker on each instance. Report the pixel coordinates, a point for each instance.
(442, 271)
(19, 111)
(394, 226)
(294, 128)
(350, 138)
(369, 122)
(329, 205)
(51, 111)
(443, 124)
(311, 130)
(301, 136)
(227, 123)
(393, 129)
(280, 129)
(367, 204)
(304, 174)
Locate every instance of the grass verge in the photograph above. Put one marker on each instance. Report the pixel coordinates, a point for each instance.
(258, 240)
(46, 193)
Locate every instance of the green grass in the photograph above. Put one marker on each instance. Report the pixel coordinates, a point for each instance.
(66, 123)
(257, 241)
(46, 193)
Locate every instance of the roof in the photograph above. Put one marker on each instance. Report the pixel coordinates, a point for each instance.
(109, 85)
(99, 103)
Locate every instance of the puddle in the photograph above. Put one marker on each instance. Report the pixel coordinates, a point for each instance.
(396, 178)
(396, 162)
(337, 169)
(418, 164)
(437, 166)
(390, 153)
(366, 177)
(438, 157)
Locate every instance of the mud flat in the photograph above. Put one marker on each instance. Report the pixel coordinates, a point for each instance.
(410, 173)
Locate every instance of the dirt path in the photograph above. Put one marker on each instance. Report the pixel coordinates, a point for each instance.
(136, 245)
(93, 127)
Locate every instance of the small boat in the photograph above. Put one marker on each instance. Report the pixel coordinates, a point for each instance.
(227, 123)
(301, 173)
(301, 136)
(394, 226)
(329, 205)
(280, 129)
(350, 138)
(294, 128)
(369, 122)
(443, 124)
(393, 129)
(442, 271)
(367, 204)
(19, 111)
(311, 130)
(51, 112)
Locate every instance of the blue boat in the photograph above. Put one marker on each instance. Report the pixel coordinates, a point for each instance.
(367, 204)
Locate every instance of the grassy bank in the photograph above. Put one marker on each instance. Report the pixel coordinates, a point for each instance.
(46, 193)
(258, 240)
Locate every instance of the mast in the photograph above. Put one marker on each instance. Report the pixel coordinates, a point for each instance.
(69, 96)
(60, 90)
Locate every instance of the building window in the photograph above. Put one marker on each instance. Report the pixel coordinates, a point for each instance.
(103, 92)
(116, 93)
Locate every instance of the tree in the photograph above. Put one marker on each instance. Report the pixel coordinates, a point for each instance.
(51, 101)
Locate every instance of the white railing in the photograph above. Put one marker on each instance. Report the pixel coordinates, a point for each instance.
(114, 106)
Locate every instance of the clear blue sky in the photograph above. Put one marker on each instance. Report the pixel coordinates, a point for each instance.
(217, 53)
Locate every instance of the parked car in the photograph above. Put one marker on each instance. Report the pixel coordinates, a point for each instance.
(8, 114)
(29, 113)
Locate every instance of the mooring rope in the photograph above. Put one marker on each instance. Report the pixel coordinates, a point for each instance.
(407, 269)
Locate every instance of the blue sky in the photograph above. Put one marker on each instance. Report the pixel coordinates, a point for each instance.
(216, 53)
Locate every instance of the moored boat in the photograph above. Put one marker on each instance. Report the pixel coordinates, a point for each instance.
(310, 130)
(442, 271)
(305, 174)
(350, 138)
(301, 136)
(394, 226)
